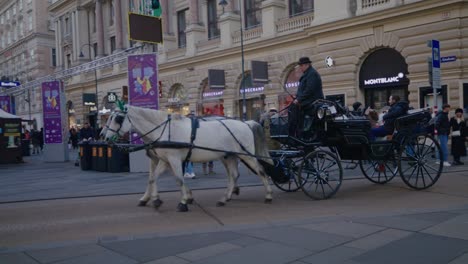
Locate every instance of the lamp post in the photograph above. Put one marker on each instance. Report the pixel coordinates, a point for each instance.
(95, 79)
(224, 3)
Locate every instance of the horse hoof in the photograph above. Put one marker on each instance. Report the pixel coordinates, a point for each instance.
(157, 203)
(268, 201)
(142, 203)
(182, 207)
(236, 191)
(220, 204)
(190, 201)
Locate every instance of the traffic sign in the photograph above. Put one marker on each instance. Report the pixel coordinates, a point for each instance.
(448, 59)
(435, 45)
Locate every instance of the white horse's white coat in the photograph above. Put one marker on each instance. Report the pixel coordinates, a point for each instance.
(210, 134)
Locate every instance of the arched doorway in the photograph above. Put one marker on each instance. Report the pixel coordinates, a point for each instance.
(383, 73)
(178, 100)
(71, 114)
(212, 102)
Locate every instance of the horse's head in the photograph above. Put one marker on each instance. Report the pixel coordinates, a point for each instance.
(117, 125)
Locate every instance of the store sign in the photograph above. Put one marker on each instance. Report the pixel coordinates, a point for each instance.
(252, 89)
(9, 84)
(173, 100)
(111, 97)
(213, 94)
(384, 80)
(89, 99)
(290, 85)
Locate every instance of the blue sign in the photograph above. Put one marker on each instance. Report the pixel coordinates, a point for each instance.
(448, 59)
(435, 53)
(9, 84)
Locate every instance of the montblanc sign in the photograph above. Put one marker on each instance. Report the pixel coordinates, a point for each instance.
(384, 80)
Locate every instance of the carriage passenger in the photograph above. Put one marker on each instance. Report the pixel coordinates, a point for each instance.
(397, 108)
(309, 90)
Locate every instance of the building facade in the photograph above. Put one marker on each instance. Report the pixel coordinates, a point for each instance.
(364, 50)
(27, 50)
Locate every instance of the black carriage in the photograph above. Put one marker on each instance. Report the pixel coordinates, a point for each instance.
(333, 136)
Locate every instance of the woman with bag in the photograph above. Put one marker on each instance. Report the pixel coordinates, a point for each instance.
(459, 133)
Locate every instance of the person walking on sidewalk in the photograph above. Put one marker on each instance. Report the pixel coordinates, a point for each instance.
(442, 124)
(189, 171)
(210, 167)
(459, 134)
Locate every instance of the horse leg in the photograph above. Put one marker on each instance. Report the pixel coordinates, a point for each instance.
(146, 197)
(230, 163)
(161, 166)
(176, 166)
(255, 165)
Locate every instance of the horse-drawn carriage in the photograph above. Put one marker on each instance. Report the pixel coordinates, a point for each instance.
(312, 163)
(315, 164)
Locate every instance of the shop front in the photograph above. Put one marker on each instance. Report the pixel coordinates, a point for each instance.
(254, 98)
(212, 101)
(383, 73)
(178, 100)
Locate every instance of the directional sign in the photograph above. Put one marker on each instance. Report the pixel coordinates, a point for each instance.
(448, 59)
(9, 84)
(435, 64)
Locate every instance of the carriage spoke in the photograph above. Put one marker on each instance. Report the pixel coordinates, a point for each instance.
(428, 174)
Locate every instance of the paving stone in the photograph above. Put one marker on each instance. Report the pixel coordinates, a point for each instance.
(435, 217)
(456, 227)
(61, 253)
(460, 260)
(269, 252)
(333, 256)
(157, 248)
(208, 251)
(168, 260)
(397, 222)
(99, 258)
(378, 239)
(16, 258)
(344, 228)
(299, 237)
(416, 249)
(246, 241)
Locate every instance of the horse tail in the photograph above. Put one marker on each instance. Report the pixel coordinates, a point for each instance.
(261, 149)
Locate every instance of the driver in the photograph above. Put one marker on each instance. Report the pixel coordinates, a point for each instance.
(309, 90)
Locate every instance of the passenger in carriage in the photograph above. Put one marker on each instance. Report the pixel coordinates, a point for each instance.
(397, 108)
(309, 90)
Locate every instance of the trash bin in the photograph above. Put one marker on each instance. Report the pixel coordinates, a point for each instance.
(101, 156)
(25, 147)
(85, 155)
(117, 160)
(94, 156)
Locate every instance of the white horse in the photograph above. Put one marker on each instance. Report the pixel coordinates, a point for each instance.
(226, 140)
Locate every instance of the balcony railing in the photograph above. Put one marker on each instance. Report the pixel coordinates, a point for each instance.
(294, 23)
(249, 34)
(373, 3)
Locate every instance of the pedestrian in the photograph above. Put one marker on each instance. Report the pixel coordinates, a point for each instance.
(86, 132)
(459, 134)
(36, 141)
(308, 91)
(73, 138)
(442, 125)
(210, 168)
(189, 170)
(41, 139)
(397, 108)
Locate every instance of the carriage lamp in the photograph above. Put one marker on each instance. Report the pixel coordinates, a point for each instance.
(320, 113)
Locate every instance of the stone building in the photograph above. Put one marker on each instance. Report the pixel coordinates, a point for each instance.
(27, 51)
(364, 50)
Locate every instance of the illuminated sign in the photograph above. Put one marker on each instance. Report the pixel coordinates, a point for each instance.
(213, 94)
(393, 79)
(253, 89)
(9, 84)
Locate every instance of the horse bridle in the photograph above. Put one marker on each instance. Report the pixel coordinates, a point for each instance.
(119, 119)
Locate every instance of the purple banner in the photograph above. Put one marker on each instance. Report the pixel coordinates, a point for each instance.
(52, 113)
(5, 103)
(143, 83)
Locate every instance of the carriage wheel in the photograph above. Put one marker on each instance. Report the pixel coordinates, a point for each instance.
(420, 162)
(379, 171)
(321, 174)
(291, 170)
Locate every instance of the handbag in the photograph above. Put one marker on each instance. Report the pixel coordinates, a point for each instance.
(456, 133)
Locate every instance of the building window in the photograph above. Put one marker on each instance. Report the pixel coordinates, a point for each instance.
(8, 14)
(93, 21)
(21, 28)
(181, 25)
(94, 50)
(20, 4)
(54, 57)
(68, 61)
(112, 44)
(253, 13)
(213, 29)
(30, 23)
(298, 7)
(111, 13)
(32, 54)
(1, 19)
(14, 10)
(65, 29)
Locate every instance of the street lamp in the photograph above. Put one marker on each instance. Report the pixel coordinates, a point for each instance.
(95, 79)
(224, 3)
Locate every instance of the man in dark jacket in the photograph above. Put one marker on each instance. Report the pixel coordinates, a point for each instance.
(86, 133)
(397, 108)
(309, 90)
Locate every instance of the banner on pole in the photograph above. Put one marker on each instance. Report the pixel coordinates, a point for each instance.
(5, 103)
(143, 83)
(51, 109)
